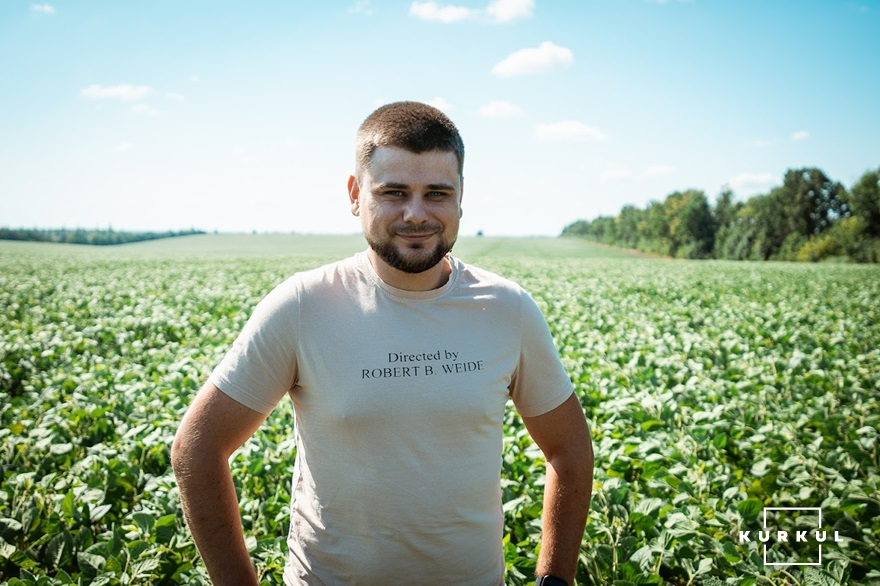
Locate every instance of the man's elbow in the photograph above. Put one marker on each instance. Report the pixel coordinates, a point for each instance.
(575, 458)
(181, 453)
(580, 459)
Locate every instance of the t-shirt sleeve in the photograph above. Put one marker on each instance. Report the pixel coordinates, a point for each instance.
(540, 383)
(261, 366)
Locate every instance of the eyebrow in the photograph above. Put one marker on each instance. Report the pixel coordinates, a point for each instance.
(430, 186)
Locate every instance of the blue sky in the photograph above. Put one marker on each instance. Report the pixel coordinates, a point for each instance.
(240, 116)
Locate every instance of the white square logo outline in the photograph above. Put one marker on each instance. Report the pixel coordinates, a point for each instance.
(819, 563)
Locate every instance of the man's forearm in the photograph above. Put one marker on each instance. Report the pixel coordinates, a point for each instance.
(211, 509)
(567, 495)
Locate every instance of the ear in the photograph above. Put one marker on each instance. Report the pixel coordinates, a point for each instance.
(461, 197)
(354, 193)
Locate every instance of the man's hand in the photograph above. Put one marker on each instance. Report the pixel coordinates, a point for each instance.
(214, 426)
(563, 436)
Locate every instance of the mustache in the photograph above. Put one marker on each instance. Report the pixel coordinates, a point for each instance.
(421, 230)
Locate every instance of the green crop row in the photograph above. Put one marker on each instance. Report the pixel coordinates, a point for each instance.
(714, 390)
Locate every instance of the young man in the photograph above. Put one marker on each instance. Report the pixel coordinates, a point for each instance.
(400, 361)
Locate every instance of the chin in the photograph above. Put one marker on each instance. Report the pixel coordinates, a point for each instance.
(413, 259)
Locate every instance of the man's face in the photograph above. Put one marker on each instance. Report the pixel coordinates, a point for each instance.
(410, 206)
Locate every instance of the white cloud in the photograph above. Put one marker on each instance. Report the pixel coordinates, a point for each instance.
(545, 57)
(614, 174)
(124, 147)
(441, 104)
(116, 92)
(658, 170)
(568, 130)
(500, 11)
(361, 7)
(800, 135)
(175, 96)
(751, 182)
(500, 109)
(436, 12)
(147, 110)
(508, 10)
(47, 9)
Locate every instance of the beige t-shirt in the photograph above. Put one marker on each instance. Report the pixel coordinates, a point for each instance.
(399, 400)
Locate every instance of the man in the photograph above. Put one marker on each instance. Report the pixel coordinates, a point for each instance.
(400, 361)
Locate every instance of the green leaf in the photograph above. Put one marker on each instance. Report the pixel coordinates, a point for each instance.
(648, 506)
(816, 577)
(641, 522)
(761, 467)
(144, 522)
(704, 567)
(90, 563)
(730, 552)
(98, 512)
(137, 547)
(9, 527)
(750, 509)
(67, 507)
(23, 560)
(165, 528)
(145, 567)
(6, 549)
(651, 424)
(56, 547)
(61, 449)
(644, 557)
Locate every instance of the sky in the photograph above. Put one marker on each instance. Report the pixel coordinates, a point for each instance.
(241, 116)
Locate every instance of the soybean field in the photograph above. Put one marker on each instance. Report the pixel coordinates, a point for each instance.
(729, 402)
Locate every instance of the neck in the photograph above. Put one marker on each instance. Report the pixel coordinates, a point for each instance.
(433, 278)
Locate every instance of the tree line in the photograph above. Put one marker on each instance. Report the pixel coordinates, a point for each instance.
(808, 218)
(83, 236)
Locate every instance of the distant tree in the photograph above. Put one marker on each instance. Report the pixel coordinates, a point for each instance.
(627, 226)
(655, 230)
(864, 201)
(725, 208)
(603, 230)
(691, 225)
(857, 236)
(811, 202)
(578, 228)
(83, 236)
(752, 233)
(725, 214)
(808, 217)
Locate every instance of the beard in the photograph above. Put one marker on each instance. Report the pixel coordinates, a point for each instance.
(415, 259)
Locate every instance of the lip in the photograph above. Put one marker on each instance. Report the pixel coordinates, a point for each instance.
(419, 237)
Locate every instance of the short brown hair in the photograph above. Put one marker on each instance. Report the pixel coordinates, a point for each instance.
(413, 126)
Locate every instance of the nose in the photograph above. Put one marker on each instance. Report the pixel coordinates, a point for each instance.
(415, 211)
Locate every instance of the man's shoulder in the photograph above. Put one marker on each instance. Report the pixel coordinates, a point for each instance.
(475, 276)
(330, 273)
(319, 281)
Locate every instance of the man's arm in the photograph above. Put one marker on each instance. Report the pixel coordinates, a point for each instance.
(563, 436)
(215, 425)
